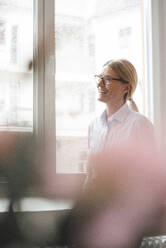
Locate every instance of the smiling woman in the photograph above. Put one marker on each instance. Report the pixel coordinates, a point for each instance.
(119, 80)
(83, 44)
(118, 125)
(112, 89)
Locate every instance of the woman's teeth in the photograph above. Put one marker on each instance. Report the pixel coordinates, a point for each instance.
(103, 91)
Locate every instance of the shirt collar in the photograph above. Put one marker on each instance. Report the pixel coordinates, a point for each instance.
(120, 115)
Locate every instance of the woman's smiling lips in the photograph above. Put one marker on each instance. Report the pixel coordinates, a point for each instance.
(103, 91)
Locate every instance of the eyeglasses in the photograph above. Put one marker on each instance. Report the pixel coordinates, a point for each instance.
(107, 79)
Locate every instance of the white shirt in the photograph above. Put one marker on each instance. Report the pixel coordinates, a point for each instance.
(123, 194)
(119, 129)
(123, 127)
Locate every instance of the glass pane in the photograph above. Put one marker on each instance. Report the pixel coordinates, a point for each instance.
(16, 53)
(87, 34)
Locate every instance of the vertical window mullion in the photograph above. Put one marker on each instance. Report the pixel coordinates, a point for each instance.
(44, 79)
(38, 63)
(49, 77)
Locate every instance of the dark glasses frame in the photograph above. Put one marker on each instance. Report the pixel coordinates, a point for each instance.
(107, 79)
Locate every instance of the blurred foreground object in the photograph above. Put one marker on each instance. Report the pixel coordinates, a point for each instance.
(122, 204)
(18, 164)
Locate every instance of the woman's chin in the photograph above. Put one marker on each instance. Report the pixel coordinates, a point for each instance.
(101, 99)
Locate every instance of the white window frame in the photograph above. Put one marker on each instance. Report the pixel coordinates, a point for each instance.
(44, 91)
(44, 69)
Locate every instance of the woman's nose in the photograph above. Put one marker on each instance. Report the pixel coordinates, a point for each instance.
(100, 83)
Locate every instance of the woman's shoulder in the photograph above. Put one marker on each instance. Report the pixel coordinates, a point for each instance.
(139, 119)
(142, 128)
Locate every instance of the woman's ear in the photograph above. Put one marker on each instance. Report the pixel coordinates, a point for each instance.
(127, 88)
(127, 92)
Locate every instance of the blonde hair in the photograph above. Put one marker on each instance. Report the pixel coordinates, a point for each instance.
(127, 72)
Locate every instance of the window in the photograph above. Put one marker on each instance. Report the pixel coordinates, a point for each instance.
(16, 52)
(86, 36)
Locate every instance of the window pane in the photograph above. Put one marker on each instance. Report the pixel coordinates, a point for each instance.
(16, 53)
(87, 34)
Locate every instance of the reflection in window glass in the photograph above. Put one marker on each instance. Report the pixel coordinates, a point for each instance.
(16, 52)
(87, 34)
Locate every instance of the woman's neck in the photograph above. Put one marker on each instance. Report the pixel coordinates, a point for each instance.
(113, 108)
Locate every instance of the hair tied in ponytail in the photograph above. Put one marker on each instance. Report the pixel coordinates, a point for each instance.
(133, 105)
